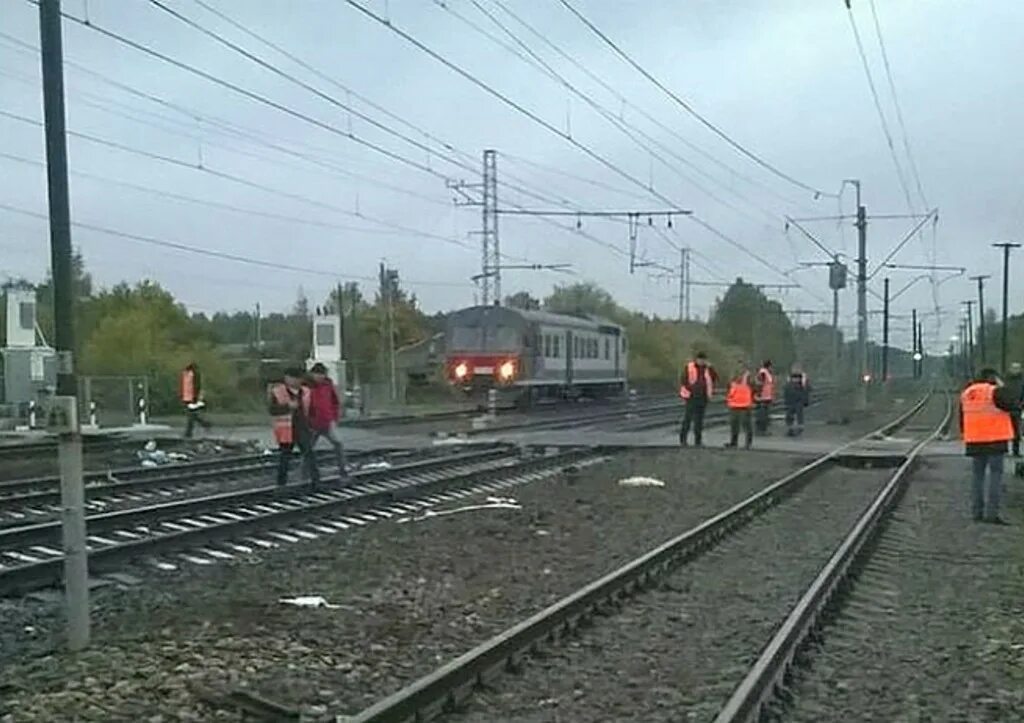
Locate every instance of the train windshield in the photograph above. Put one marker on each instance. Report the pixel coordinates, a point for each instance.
(484, 338)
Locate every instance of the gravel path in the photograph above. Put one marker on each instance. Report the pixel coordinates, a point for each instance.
(411, 596)
(934, 627)
(676, 652)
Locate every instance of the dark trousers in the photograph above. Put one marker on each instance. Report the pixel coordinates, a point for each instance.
(1015, 418)
(309, 463)
(763, 414)
(986, 494)
(693, 416)
(795, 419)
(740, 418)
(192, 418)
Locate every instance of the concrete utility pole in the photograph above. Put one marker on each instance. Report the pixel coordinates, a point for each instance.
(970, 334)
(981, 316)
(685, 284)
(885, 332)
(861, 400)
(1006, 246)
(914, 349)
(65, 411)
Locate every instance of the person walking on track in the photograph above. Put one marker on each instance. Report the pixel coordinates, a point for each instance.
(325, 413)
(796, 396)
(764, 396)
(190, 391)
(985, 409)
(740, 401)
(696, 387)
(288, 402)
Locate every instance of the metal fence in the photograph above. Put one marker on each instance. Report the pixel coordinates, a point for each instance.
(113, 401)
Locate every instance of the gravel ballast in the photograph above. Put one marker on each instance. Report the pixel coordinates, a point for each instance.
(933, 629)
(675, 653)
(410, 597)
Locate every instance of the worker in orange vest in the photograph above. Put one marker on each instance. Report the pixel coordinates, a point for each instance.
(740, 401)
(986, 427)
(289, 403)
(696, 387)
(764, 395)
(190, 392)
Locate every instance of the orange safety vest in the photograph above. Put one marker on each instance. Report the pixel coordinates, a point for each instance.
(984, 422)
(741, 395)
(692, 374)
(188, 386)
(281, 424)
(767, 392)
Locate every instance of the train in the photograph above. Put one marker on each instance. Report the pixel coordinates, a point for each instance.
(528, 356)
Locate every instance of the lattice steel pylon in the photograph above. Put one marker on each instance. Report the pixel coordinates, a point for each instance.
(491, 251)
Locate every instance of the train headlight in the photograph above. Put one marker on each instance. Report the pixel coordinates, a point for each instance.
(507, 370)
(461, 370)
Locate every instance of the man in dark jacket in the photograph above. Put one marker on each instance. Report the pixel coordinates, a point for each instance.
(696, 387)
(192, 398)
(1015, 389)
(325, 413)
(985, 409)
(289, 403)
(796, 396)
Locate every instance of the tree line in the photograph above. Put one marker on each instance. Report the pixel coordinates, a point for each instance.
(142, 330)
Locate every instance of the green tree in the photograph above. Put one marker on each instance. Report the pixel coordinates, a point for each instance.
(142, 330)
(744, 317)
(584, 298)
(522, 300)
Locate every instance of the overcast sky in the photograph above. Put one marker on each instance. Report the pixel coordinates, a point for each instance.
(781, 77)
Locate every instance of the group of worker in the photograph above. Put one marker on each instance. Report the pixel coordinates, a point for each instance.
(749, 399)
(303, 409)
(990, 425)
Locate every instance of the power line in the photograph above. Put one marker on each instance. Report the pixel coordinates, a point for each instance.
(207, 202)
(688, 108)
(546, 125)
(276, 264)
(896, 105)
(239, 180)
(652, 119)
(251, 95)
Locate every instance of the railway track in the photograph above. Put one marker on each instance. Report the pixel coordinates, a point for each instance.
(746, 534)
(760, 690)
(36, 499)
(224, 525)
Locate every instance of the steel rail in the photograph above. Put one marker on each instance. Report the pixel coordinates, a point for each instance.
(27, 576)
(49, 533)
(767, 674)
(186, 474)
(440, 690)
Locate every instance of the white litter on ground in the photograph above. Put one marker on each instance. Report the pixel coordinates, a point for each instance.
(308, 601)
(641, 482)
(492, 503)
(444, 441)
(376, 465)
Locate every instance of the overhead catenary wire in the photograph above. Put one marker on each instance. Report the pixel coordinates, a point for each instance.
(519, 108)
(239, 258)
(689, 108)
(241, 181)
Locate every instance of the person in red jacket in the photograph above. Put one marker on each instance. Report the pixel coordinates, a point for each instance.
(325, 413)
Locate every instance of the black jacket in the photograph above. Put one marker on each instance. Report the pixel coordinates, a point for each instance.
(1004, 399)
(699, 389)
(1014, 384)
(796, 394)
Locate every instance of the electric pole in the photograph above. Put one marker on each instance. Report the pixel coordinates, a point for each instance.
(981, 316)
(913, 334)
(1006, 246)
(885, 332)
(65, 411)
(861, 400)
(970, 335)
(491, 249)
(684, 284)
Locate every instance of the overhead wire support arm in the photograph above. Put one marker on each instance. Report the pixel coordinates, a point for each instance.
(831, 253)
(933, 214)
